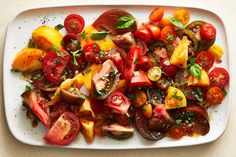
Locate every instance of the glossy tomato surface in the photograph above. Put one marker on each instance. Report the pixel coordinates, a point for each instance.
(219, 77)
(205, 60)
(74, 23)
(208, 31)
(64, 130)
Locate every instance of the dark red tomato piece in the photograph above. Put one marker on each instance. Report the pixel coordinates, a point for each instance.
(191, 93)
(80, 63)
(115, 56)
(169, 69)
(64, 131)
(214, 96)
(97, 106)
(208, 32)
(177, 132)
(57, 110)
(54, 65)
(163, 83)
(108, 20)
(140, 79)
(219, 77)
(69, 37)
(205, 60)
(98, 128)
(91, 52)
(143, 34)
(130, 61)
(42, 84)
(144, 63)
(168, 34)
(122, 119)
(142, 45)
(74, 23)
(118, 102)
(181, 76)
(199, 118)
(36, 103)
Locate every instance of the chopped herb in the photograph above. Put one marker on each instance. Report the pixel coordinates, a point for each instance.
(195, 70)
(31, 43)
(176, 22)
(37, 76)
(56, 60)
(59, 27)
(136, 73)
(136, 61)
(192, 60)
(75, 54)
(102, 52)
(170, 37)
(98, 35)
(27, 88)
(178, 122)
(83, 35)
(63, 43)
(131, 95)
(125, 22)
(76, 42)
(57, 51)
(224, 91)
(176, 96)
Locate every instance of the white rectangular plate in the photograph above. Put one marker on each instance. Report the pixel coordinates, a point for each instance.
(18, 35)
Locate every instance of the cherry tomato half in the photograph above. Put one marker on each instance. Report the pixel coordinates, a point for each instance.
(219, 77)
(169, 69)
(155, 31)
(74, 23)
(214, 96)
(64, 131)
(208, 31)
(144, 63)
(156, 15)
(163, 83)
(143, 34)
(91, 52)
(118, 102)
(177, 132)
(205, 60)
(183, 15)
(168, 34)
(54, 65)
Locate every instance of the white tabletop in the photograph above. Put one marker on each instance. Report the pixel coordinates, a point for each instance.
(224, 146)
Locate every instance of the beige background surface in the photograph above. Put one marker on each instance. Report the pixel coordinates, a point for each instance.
(224, 146)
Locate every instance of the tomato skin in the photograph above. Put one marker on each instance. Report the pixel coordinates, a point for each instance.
(155, 31)
(156, 15)
(208, 31)
(122, 119)
(74, 23)
(69, 37)
(140, 80)
(168, 34)
(118, 102)
(142, 45)
(205, 60)
(91, 52)
(143, 34)
(177, 132)
(130, 65)
(214, 96)
(163, 83)
(219, 77)
(183, 15)
(56, 135)
(144, 63)
(168, 68)
(53, 66)
(164, 22)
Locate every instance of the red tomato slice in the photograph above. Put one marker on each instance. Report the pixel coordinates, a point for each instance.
(130, 62)
(142, 45)
(144, 63)
(168, 34)
(54, 65)
(36, 103)
(91, 52)
(155, 31)
(74, 23)
(118, 102)
(205, 60)
(214, 96)
(118, 61)
(219, 77)
(57, 110)
(143, 34)
(208, 31)
(64, 131)
(169, 69)
(140, 79)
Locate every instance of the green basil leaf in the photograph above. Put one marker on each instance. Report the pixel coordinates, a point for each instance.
(98, 35)
(83, 35)
(27, 88)
(176, 22)
(125, 22)
(195, 70)
(59, 27)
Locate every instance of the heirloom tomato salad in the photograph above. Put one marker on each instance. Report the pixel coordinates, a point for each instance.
(117, 75)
